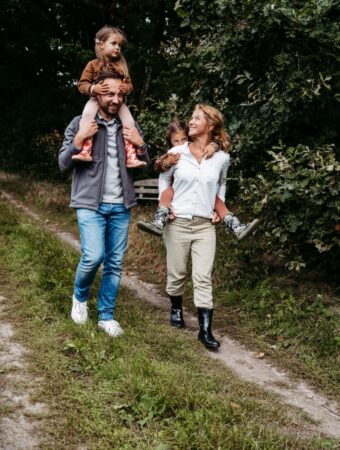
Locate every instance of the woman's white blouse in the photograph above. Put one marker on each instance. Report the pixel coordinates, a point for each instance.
(195, 185)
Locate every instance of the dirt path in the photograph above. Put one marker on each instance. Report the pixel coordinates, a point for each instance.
(19, 426)
(245, 363)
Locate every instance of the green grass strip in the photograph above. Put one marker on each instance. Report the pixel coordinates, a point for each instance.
(293, 318)
(152, 388)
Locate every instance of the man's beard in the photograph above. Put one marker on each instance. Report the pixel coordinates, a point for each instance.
(107, 108)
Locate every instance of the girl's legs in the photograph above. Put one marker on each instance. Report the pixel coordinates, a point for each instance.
(232, 223)
(130, 150)
(89, 113)
(161, 218)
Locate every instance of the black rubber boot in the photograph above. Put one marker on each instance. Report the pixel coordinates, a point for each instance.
(176, 314)
(205, 335)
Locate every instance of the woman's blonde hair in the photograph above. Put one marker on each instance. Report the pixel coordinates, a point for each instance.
(215, 118)
(118, 65)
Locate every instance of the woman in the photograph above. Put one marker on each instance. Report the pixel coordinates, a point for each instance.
(196, 182)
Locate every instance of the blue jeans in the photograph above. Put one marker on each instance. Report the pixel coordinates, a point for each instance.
(103, 236)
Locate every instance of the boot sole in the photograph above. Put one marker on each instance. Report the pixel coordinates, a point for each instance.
(177, 325)
(210, 347)
(144, 226)
(136, 165)
(252, 227)
(82, 158)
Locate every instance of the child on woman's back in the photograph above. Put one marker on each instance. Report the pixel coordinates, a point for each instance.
(108, 43)
(177, 134)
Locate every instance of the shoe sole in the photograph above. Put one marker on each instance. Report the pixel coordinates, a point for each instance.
(84, 159)
(135, 165)
(144, 226)
(252, 227)
(177, 325)
(208, 346)
(82, 322)
(119, 333)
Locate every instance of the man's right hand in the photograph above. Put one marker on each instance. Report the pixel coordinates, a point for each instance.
(86, 130)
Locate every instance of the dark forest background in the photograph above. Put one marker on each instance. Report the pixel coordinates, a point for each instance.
(271, 67)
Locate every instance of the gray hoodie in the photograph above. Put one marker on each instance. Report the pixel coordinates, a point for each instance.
(88, 177)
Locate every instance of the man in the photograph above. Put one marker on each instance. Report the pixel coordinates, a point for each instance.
(102, 193)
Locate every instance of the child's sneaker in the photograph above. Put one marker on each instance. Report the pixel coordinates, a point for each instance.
(156, 226)
(238, 229)
(86, 152)
(131, 156)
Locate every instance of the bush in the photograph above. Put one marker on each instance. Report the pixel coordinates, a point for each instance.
(298, 198)
(45, 149)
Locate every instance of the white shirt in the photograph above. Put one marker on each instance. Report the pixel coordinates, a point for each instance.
(195, 185)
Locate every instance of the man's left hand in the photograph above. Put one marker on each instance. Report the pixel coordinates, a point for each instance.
(133, 136)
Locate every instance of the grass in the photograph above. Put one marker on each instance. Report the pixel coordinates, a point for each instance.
(153, 388)
(293, 319)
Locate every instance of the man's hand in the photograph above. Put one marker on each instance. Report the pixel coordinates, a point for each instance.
(132, 135)
(86, 131)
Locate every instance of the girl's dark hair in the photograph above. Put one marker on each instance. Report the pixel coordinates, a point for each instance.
(174, 126)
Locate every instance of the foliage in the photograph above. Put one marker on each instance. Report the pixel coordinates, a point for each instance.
(42, 62)
(45, 154)
(295, 322)
(272, 68)
(298, 198)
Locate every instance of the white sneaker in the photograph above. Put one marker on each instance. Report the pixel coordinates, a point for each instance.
(111, 327)
(79, 311)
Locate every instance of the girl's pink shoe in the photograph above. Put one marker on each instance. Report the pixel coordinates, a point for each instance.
(131, 156)
(86, 152)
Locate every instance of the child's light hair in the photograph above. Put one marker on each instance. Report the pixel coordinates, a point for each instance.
(118, 65)
(215, 118)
